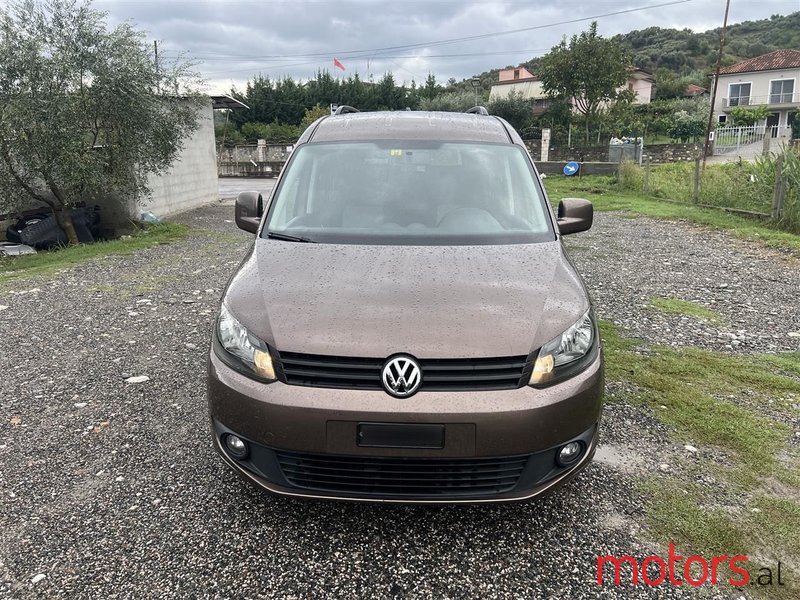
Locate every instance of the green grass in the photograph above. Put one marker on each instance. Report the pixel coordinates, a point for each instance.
(676, 515)
(606, 197)
(694, 385)
(715, 402)
(781, 517)
(675, 306)
(45, 263)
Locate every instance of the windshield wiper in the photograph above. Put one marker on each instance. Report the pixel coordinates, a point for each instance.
(289, 238)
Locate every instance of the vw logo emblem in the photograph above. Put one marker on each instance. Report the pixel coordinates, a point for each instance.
(401, 376)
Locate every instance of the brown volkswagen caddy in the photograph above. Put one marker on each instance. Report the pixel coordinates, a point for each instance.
(407, 326)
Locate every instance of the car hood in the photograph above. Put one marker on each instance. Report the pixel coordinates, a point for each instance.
(427, 301)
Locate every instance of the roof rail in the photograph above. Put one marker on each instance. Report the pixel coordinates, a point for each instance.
(478, 110)
(344, 109)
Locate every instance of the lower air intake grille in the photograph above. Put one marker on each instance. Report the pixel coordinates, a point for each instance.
(400, 476)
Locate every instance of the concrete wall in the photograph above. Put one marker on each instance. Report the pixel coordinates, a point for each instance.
(253, 160)
(643, 89)
(260, 152)
(192, 180)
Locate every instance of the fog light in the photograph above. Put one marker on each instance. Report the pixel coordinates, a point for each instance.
(236, 446)
(569, 453)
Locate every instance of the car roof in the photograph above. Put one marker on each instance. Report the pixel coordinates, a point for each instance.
(409, 125)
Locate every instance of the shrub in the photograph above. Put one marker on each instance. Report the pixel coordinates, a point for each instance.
(742, 185)
(629, 176)
(449, 102)
(744, 116)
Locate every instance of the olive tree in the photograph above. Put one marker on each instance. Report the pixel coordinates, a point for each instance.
(85, 111)
(589, 70)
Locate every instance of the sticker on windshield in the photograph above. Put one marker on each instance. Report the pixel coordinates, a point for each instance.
(395, 152)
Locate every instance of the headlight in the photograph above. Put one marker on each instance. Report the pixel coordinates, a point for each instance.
(242, 350)
(567, 354)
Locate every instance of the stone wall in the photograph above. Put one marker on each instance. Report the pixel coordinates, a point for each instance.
(658, 153)
(669, 153)
(565, 154)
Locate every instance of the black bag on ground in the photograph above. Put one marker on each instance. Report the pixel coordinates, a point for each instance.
(14, 231)
(43, 231)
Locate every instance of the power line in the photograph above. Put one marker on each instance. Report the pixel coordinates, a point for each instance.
(367, 53)
(270, 58)
(482, 36)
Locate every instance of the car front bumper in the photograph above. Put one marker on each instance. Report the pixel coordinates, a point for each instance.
(295, 433)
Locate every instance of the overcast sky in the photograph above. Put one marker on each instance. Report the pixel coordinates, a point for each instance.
(235, 40)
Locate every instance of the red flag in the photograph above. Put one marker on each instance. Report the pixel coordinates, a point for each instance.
(337, 64)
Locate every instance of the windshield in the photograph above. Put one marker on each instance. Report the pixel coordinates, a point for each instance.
(410, 193)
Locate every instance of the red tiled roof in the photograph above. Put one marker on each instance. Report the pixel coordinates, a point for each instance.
(780, 59)
(692, 90)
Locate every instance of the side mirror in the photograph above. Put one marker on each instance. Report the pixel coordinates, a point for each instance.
(574, 215)
(249, 208)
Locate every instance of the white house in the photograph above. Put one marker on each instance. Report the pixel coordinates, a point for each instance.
(524, 83)
(770, 79)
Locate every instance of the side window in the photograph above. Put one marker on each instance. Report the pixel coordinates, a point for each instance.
(525, 201)
(739, 94)
(781, 90)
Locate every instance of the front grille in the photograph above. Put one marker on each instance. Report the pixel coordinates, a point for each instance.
(439, 374)
(401, 476)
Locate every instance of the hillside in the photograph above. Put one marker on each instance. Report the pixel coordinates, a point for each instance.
(683, 51)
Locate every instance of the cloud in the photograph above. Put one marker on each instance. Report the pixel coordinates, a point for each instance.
(234, 40)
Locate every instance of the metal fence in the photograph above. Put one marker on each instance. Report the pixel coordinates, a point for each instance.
(750, 140)
(773, 99)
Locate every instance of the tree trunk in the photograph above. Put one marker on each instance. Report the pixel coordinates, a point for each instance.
(63, 212)
(63, 216)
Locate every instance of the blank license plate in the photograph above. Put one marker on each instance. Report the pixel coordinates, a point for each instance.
(400, 435)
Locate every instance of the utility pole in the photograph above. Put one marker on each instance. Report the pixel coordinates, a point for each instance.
(155, 49)
(716, 80)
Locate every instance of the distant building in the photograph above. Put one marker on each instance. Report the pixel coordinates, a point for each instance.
(641, 82)
(519, 81)
(693, 91)
(527, 85)
(770, 79)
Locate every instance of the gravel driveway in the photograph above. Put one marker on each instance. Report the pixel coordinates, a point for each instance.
(755, 293)
(111, 489)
